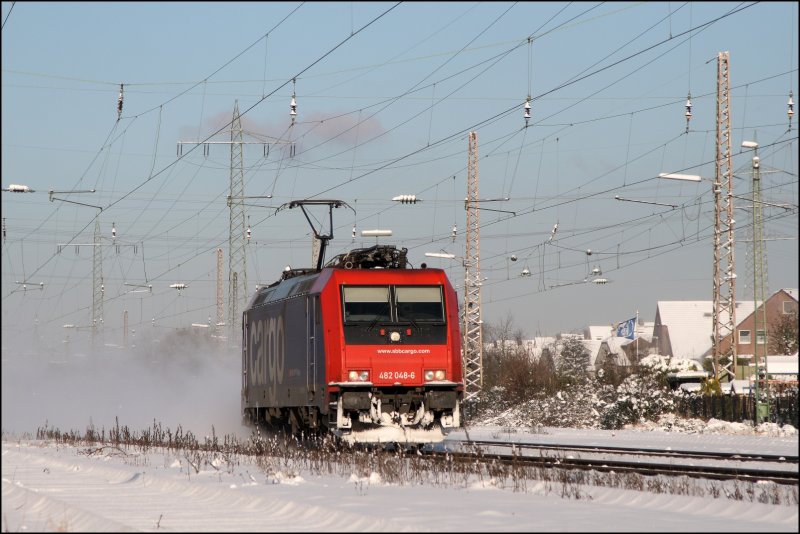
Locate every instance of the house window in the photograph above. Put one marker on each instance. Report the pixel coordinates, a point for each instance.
(744, 337)
(788, 306)
(761, 337)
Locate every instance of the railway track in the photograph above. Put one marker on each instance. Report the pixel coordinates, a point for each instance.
(779, 469)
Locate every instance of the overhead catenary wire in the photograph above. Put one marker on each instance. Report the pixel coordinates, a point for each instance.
(579, 188)
(254, 105)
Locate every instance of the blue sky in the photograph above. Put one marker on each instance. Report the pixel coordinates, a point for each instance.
(386, 96)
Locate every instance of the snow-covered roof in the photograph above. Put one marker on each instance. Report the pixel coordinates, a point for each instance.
(535, 346)
(539, 341)
(690, 324)
(792, 292)
(600, 332)
(782, 365)
(645, 330)
(741, 386)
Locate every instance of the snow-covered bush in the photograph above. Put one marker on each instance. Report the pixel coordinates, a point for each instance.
(584, 403)
(641, 397)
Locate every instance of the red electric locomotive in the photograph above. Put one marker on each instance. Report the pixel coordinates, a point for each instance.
(365, 347)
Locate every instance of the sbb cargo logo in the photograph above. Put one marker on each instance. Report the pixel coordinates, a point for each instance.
(267, 354)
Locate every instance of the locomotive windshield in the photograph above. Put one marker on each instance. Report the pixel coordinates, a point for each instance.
(366, 304)
(420, 304)
(393, 304)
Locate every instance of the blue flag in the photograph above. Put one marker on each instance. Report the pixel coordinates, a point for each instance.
(626, 328)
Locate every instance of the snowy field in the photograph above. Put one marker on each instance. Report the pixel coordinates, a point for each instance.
(53, 488)
(64, 488)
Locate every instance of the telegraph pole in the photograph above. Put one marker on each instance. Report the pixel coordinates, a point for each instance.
(473, 325)
(724, 306)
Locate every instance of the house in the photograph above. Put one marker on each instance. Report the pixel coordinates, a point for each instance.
(603, 344)
(536, 346)
(783, 302)
(683, 328)
(612, 348)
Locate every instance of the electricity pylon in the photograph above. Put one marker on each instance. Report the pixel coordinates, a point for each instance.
(98, 287)
(237, 255)
(237, 237)
(724, 306)
(473, 325)
(220, 294)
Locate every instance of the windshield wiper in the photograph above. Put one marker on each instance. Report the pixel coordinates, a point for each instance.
(378, 317)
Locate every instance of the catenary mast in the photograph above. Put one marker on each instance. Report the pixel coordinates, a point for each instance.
(473, 325)
(724, 306)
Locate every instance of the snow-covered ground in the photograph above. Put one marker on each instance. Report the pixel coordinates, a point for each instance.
(86, 488)
(48, 488)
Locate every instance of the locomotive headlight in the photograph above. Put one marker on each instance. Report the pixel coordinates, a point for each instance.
(437, 374)
(394, 336)
(358, 376)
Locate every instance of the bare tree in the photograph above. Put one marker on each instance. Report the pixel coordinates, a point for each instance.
(504, 334)
(783, 335)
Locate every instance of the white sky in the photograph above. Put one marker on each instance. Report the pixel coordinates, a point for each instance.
(49, 488)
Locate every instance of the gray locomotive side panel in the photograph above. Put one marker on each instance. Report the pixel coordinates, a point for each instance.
(283, 364)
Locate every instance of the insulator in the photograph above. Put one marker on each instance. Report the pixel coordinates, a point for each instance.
(113, 230)
(119, 101)
(513, 257)
(790, 104)
(354, 231)
(406, 199)
(248, 233)
(454, 231)
(526, 272)
(527, 109)
(688, 110)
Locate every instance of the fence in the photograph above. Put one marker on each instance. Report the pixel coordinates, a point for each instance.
(738, 408)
